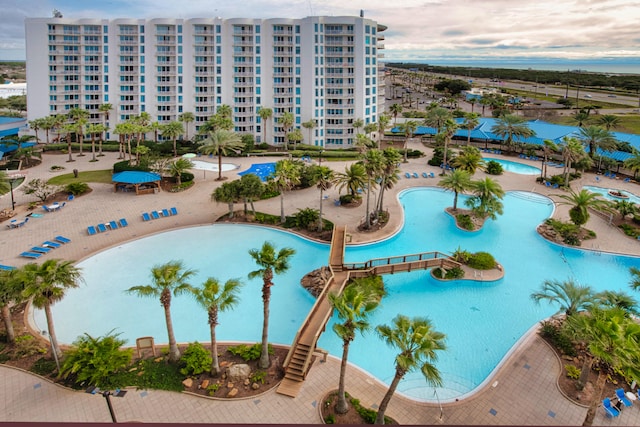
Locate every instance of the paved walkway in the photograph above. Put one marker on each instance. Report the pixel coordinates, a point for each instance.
(523, 391)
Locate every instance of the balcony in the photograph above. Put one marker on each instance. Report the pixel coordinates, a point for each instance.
(283, 32)
(243, 103)
(200, 32)
(237, 32)
(238, 63)
(243, 43)
(339, 32)
(283, 42)
(344, 42)
(282, 74)
(205, 73)
(127, 42)
(244, 84)
(64, 42)
(166, 63)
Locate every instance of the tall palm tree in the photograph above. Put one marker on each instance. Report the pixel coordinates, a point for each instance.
(222, 142)
(296, 136)
(372, 161)
(609, 121)
(596, 137)
(324, 177)
(470, 123)
(79, 117)
(216, 298)
(572, 151)
(418, 343)
(167, 278)
(395, 109)
(48, 123)
(449, 128)
(568, 295)
(408, 128)
(36, 125)
(353, 178)
(580, 118)
(309, 125)
(47, 284)
(633, 163)
(173, 130)
(357, 124)
(548, 147)
(635, 278)
(437, 117)
(389, 174)
(69, 129)
(178, 167)
(353, 306)
(11, 288)
(265, 114)
(457, 181)
(227, 193)
(285, 176)
(250, 188)
(470, 159)
(580, 204)
(104, 110)
(286, 121)
(486, 200)
(187, 118)
(383, 123)
(511, 127)
(270, 263)
(93, 130)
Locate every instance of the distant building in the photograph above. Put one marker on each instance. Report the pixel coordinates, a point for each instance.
(323, 68)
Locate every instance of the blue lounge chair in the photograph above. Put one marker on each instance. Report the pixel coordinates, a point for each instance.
(71, 197)
(6, 267)
(165, 213)
(154, 215)
(424, 175)
(113, 225)
(407, 175)
(46, 209)
(102, 228)
(40, 249)
(623, 398)
(432, 175)
(123, 222)
(91, 230)
(174, 211)
(145, 216)
(609, 409)
(555, 186)
(49, 243)
(62, 239)
(31, 254)
(627, 179)
(415, 175)
(597, 179)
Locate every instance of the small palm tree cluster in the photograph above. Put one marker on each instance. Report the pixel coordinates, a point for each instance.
(603, 322)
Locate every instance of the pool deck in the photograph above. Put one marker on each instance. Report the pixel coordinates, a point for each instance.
(522, 391)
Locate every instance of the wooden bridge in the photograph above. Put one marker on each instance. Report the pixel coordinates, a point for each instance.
(300, 356)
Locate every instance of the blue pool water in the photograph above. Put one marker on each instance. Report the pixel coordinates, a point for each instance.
(482, 321)
(515, 167)
(263, 170)
(605, 193)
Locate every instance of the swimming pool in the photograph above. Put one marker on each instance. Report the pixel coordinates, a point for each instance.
(605, 193)
(206, 166)
(263, 170)
(482, 321)
(515, 167)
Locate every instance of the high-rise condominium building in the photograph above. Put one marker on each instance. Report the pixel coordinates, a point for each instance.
(320, 68)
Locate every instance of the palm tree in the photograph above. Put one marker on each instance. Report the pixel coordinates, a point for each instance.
(270, 263)
(68, 129)
(11, 288)
(572, 151)
(395, 109)
(216, 299)
(369, 128)
(486, 200)
(449, 128)
(437, 117)
(633, 163)
(373, 161)
(596, 137)
(36, 125)
(354, 305)
(187, 118)
(79, 117)
(353, 178)
(470, 160)
(609, 121)
(580, 117)
(357, 124)
(635, 279)
(581, 202)
(173, 130)
(93, 130)
(418, 343)
(408, 128)
(295, 136)
(265, 114)
(324, 177)
(104, 110)
(548, 147)
(383, 123)
(309, 125)
(250, 188)
(389, 174)
(286, 121)
(46, 284)
(222, 142)
(178, 167)
(512, 127)
(228, 193)
(470, 123)
(617, 299)
(571, 297)
(48, 123)
(166, 278)
(457, 181)
(285, 177)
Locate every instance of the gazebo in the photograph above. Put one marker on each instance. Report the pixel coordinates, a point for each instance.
(140, 182)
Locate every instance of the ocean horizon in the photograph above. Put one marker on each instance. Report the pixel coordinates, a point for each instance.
(604, 65)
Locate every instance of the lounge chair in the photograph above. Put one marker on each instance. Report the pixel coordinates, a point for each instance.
(71, 197)
(623, 398)
(155, 215)
(50, 244)
(597, 179)
(6, 267)
(609, 409)
(165, 212)
(432, 175)
(61, 239)
(123, 222)
(46, 209)
(415, 175)
(31, 254)
(40, 249)
(174, 211)
(102, 228)
(91, 230)
(145, 216)
(627, 179)
(407, 175)
(425, 175)
(113, 225)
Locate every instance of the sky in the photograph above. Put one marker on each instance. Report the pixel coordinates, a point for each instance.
(418, 30)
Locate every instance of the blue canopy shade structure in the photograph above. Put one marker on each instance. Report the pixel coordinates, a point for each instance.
(141, 182)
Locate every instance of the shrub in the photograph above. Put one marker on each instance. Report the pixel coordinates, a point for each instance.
(26, 345)
(306, 218)
(258, 376)
(629, 230)
(39, 188)
(77, 188)
(465, 221)
(195, 360)
(43, 366)
(213, 388)
(482, 261)
(186, 177)
(461, 255)
(330, 419)
(494, 168)
(556, 335)
(248, 353)
(454, 273)
(572, 372)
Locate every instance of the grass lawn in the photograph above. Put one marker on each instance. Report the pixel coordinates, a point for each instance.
(101, 176)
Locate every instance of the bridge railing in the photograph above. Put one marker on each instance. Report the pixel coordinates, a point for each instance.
(394, 260)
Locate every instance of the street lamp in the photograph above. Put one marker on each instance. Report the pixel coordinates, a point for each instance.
(12, 180)
(107, 396)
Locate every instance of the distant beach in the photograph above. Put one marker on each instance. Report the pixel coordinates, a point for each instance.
(606, 66)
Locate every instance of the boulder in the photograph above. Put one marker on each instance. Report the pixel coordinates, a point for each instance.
(238, 373)
(255, 386)
(205, 384)
(188, 383)
(233, 393)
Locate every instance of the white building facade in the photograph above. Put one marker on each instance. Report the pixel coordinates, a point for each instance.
(326, 69)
